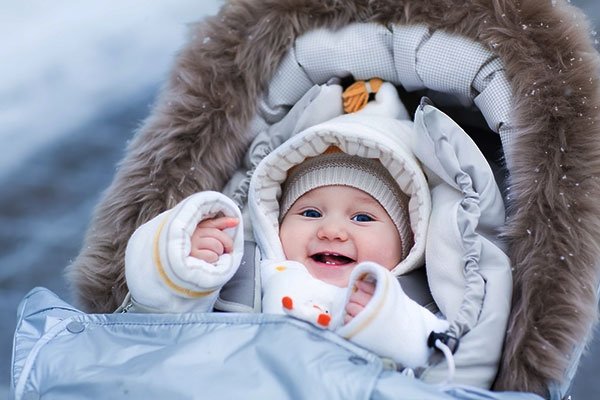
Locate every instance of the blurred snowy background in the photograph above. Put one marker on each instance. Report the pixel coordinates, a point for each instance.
(76, 80)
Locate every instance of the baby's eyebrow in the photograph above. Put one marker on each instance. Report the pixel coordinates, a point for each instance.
(300, 206)
(365, 198)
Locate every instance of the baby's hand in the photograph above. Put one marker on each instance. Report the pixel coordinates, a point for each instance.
(359, 299)
(209, 241)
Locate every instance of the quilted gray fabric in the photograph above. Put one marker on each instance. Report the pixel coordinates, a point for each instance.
(410, 56)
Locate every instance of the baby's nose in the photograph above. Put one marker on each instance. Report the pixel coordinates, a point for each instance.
(332, 232)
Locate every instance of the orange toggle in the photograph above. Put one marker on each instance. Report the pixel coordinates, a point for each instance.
(287, 302)
(324, 319)
(356, 96)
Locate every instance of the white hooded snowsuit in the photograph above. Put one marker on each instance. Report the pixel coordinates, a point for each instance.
(463, 253)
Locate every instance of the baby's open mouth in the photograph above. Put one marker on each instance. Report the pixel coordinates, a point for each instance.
(331, 259)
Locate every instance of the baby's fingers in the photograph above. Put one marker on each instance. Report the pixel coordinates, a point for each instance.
(209, 243)
(365, 286)
(223, 238)
(363, 294)
(205, 255)
(219, 223)
(352, 310)
(359, 299)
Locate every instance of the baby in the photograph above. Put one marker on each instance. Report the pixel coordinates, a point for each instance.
(330, 224)
(345, 230)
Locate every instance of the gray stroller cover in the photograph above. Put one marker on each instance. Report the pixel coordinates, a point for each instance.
(525, 71)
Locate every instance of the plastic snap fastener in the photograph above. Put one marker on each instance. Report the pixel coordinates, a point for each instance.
(75, 327)
(356, 360)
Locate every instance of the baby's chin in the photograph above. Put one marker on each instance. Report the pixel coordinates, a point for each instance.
(337, 275)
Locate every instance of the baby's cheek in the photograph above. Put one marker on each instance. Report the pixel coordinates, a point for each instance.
(387, 256)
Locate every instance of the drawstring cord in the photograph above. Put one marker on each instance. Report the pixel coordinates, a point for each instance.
(447, 345)
(449, 360)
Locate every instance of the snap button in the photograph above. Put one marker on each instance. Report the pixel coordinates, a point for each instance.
(356, 360)
(75, 327)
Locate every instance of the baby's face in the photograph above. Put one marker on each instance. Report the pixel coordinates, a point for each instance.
(331, 229)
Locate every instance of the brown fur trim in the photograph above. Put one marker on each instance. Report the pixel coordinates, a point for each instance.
(193, 140)
(554, 223)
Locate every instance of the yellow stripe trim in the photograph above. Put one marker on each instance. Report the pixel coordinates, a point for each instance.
(163, 274)
(370, 318)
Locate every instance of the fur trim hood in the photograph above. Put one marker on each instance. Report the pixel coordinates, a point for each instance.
(196, 137)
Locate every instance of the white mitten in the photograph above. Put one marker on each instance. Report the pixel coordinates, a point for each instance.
(391, 325)
(289, 289)
(160, 272)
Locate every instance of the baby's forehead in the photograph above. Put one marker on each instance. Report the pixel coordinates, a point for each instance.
(333, 191)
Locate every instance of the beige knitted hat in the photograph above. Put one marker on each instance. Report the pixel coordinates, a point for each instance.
(336, 168)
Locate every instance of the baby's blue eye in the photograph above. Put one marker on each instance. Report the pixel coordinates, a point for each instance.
(311, 214)
(362, 218)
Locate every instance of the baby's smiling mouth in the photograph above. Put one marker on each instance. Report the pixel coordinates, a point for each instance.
(333, 259)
